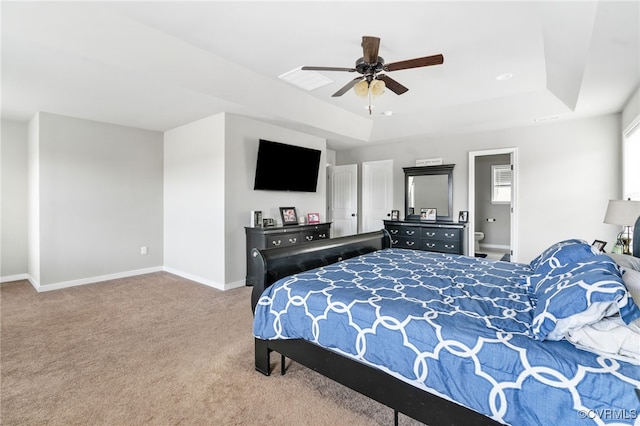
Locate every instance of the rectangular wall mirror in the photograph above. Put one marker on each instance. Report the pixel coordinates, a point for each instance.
(429, 187)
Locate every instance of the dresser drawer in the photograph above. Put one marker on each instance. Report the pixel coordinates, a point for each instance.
(441, 246)
(403, 231)
(447, 234)
(429, 236)
(281, 240)
(405, 242)
(315, 235)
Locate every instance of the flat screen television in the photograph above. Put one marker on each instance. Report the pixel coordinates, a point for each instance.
(282, 167)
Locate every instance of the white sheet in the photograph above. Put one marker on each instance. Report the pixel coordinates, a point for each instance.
(611, 337)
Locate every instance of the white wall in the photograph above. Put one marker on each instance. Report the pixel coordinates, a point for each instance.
(208, 195)
(33, 196)
(194, 188)
(99, 200)
(241, 151)
(567, 173)
(94, 193)
(13, 180)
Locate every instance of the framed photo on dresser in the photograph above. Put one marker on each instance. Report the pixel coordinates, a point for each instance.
(429, 213)
(289, 216)
(313, 218)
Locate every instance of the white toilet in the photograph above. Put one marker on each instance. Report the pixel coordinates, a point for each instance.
(478, 236)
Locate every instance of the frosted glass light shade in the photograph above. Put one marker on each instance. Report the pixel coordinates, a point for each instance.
(361, 88)
(377, 87)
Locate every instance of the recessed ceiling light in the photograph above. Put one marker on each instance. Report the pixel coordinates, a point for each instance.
(505, 76)
(307, 80)
(388, 113)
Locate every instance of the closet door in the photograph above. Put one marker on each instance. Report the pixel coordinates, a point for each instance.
(377, 194)
(343, 201)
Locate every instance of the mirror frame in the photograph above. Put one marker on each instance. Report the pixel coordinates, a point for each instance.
(443, 169)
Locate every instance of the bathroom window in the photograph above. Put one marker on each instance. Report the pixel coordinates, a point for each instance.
(501, 184)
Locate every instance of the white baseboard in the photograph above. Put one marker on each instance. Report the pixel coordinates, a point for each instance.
(93, 280)
(236, 284)
(16, 277)
(196, 278)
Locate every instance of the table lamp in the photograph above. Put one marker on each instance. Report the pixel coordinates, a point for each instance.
(624, 213)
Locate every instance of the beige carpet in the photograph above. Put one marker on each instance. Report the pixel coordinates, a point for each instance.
(155, 349)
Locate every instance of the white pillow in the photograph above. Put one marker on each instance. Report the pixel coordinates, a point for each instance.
(625, 260)
(631, 281)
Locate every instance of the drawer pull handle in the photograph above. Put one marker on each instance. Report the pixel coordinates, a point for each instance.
(393, 231)
(449, 235)
(276, 243)
(431, 245)
(322, 236)
(431, 234)
(394, 242)
(309, 237)
(410, 243)
(293, 240)
(449, 246)
(410, 232)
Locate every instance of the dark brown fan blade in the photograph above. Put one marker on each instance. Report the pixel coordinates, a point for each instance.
(370, 46)
(391, 84)
(415, 63)
(327, 69)
(346, 87)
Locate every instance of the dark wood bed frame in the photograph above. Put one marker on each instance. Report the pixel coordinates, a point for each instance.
(402, 397)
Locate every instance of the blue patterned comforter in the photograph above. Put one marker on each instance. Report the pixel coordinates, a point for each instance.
(456, 326)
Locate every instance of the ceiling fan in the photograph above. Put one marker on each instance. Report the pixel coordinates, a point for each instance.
(371, 67)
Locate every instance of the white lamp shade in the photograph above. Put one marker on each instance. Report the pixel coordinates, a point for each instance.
(361, 88)
(377, 87)
(622, 212)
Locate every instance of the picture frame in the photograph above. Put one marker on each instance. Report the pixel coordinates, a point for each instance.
(429, 213)
(463, 216)
(289, 216)
(313, 218)
(268, 222)
(395, 214)
(256, 219)
(599, 245)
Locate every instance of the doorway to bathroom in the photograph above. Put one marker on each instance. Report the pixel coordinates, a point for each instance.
(493, 204)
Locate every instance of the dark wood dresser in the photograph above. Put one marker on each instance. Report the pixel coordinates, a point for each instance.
(262, 238)
(443, 237)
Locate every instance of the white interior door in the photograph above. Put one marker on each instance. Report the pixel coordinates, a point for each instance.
(377, 194)
(343, 202)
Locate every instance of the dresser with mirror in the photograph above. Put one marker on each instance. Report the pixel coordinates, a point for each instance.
(428, 222)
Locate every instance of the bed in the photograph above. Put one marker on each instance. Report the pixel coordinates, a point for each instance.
(455, 340)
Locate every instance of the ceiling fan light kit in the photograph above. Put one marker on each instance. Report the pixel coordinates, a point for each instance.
(364, 88)
(377, 87)
(370, 65)
(361, 88)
